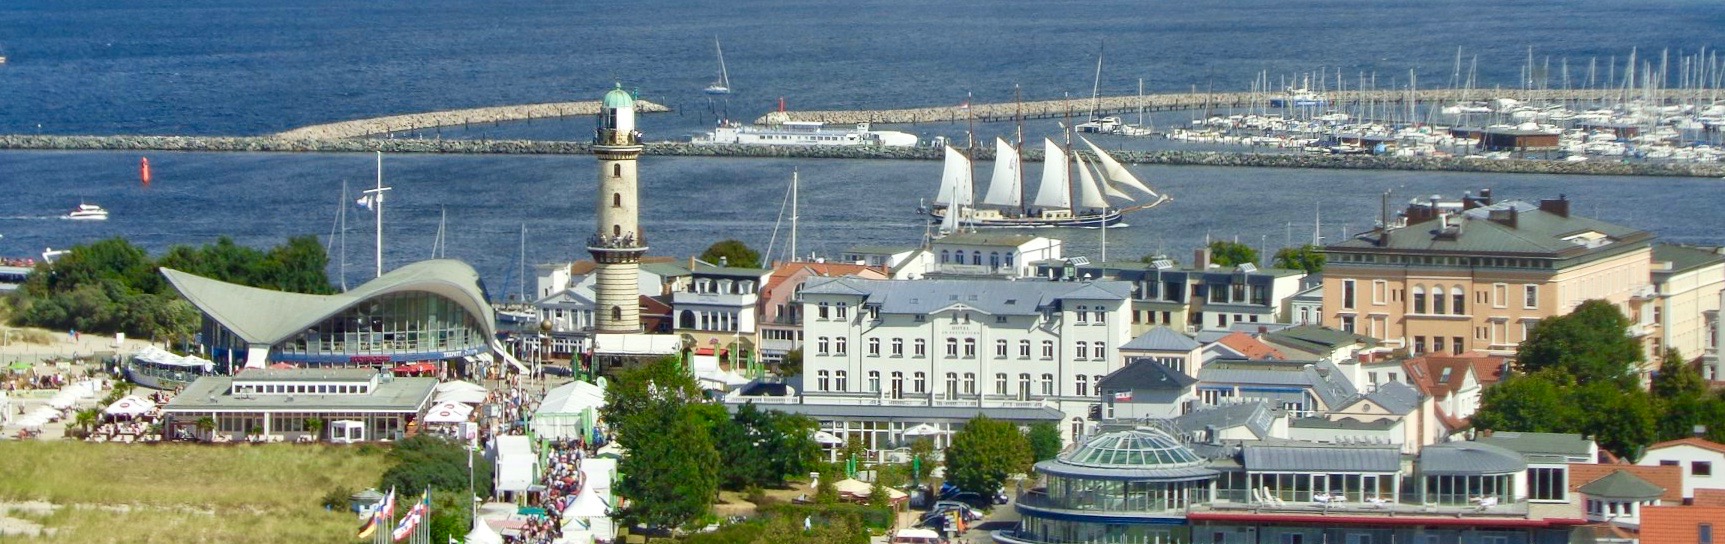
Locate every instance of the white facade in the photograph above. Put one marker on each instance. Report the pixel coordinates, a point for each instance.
(960, 343)
(991, 254)
(1703, 463)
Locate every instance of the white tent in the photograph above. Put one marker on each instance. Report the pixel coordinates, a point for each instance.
(482, 533)
(5, 408)
(446, 387)
(589, 517)
(923, 429)
(516, 463)
(130, 405)
(448, 412)
(461, 396)
(568, 411)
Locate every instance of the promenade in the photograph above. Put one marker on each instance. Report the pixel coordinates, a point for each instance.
(1079, 107)
(375, 126)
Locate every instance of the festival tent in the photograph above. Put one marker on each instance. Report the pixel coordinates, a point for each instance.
(569, 411)
(159, 356)
(72, 393)
(448, 412)
(462, 392)
(859, 489)
(130, 406)
(588, 519)
(516, 463)
(482, 533)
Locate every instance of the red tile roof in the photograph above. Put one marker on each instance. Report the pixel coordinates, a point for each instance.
(1697, 442)
(1665, 476)
(1252, 348)
(1427, 370)
(1679, 524)
(785, 271)
(1710, 497)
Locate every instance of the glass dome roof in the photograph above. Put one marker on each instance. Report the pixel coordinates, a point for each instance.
(1137, 448)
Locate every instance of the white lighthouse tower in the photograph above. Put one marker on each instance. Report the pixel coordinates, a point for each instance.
(617, 245)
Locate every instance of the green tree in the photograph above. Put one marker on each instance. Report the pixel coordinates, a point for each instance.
(1623, 420)
(826, 492)
(426, 460)
(786, 441)
(299, 266)
(636, 388)
(1682, 396)
(672, 471)
(1591, 344)
(1044, 439)
(1308, 257)
(1527, 402)
(733, 253)
(792, 363)
(1226, 254)
(985, 453)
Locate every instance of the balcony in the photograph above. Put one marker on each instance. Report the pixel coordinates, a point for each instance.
(974, 270)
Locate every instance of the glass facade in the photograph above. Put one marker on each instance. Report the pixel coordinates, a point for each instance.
(404, 326)
(1078, 532)
(1159, 479)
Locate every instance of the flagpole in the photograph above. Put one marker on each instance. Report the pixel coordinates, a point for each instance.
(376, 196)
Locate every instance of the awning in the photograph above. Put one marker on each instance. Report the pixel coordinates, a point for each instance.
(448, 412)
(130, 406)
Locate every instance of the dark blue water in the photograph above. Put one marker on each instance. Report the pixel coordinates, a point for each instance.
(255, 67)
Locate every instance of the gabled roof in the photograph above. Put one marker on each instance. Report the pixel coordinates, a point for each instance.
(1702, 443)
(1162, 338)
(1250, 347)
(786, 271)
(1667, 477)
(1316, 339)
(1255, 416)
(993, 297)
(1622, 485)
(1396, 397)
(263, 316)
(1332, 458)
(1002, 239)
(1144, 375)
(1556, 445)
(1321, 377)
(1439, 376)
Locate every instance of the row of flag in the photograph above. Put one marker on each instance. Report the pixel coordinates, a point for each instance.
(415, 518)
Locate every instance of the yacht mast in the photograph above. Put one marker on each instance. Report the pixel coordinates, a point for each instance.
(1018, 98)
(523, 272)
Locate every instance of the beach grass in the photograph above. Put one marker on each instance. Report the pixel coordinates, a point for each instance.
(133, 493)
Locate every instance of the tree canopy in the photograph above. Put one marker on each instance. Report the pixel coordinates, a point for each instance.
(1226, 253)
(671, 474)
(732, 252)
(1591, 344)
(985, 453)
(1308, 257)
(1044, 440)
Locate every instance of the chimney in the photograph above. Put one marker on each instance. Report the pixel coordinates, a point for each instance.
(1504, 217)
(1201, 259)
(1559, 207)
(691, 263)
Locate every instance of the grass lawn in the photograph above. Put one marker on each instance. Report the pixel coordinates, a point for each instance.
(185, 493)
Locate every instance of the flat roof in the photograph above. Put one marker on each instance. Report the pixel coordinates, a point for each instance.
(302, 375)
(211, 394)
(915, 413)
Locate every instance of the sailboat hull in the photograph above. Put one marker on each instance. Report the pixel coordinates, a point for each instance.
(1110, 218)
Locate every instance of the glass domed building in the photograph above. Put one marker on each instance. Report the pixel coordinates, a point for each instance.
(1124, 487)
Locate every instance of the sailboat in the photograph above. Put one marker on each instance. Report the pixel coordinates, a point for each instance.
(1003, 205)
(723, 84)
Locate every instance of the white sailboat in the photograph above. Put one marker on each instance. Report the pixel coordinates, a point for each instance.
(723, 84)
(1003, 206)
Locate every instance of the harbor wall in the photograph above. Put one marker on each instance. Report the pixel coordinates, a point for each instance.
(270, 144)
(420, 121)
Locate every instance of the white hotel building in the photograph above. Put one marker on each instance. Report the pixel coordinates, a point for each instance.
(938, 352)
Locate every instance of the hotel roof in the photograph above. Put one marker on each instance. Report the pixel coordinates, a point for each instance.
(1469, 459)
(1683, 259)
(263, 316)
(1622, 485)
(992, 297)
(212, 394)
(1144, 374)
(1534, 232)
(1294, 457)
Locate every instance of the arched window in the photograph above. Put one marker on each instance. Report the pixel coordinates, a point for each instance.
(616, 230)
(686, 320)
(945, 256)
(994, 259)
(616, 313)
(976, 258)
(1419, 299)
(616, 170)
(958, 257)
(1458, 300)
(1438, 300)
(1024, 387)
(616, 200)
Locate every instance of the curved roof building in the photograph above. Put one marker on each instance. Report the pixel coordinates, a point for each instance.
(1125, 486)
(426, 311)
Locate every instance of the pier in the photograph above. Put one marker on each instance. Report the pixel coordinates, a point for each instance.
(273, 144)
(1078, 108)
(375, 126)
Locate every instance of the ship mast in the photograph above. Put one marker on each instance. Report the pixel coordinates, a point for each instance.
(1018, 99)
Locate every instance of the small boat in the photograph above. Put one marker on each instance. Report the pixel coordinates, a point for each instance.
(723, 84)
(87, 212)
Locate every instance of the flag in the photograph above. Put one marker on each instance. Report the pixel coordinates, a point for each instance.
(411, 521)
(385, 510)
(1122, 396)
(365, 202)
(370, 527)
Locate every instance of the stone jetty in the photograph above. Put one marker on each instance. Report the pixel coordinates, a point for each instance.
(1078, 108)
(420, 121)
(274, 144)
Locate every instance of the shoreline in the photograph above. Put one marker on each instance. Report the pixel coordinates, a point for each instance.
(272, 144)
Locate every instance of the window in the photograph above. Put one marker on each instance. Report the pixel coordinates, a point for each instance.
(842, 311)
(821, 311)
(874, 347)
(1380, 288)
(921, 348)
(898, 347)
(897, 390)
(821, 380)
(919, 383)
(1530, 298)
(970, 348)
(1024, 349)
(921, 318)
(1083, 317)
(1048, 385)
(617, 170)
(874, 381)
(945, 257)
(841, 381)
(951, 385)
(1459, 299)
(1083, 351)
(822, 345)
(1701, 468)
(1548, 484)
(1099, 351)
(1000, 349)
(1348, 294)
(1293, 538)
(1359, 538)
(952, 347)
(1499, 295)
(1438, 300)
(1047, 349)
(1704, 533)
(839, 346)
(1455, 345)
(1419, 344)
(1099, 316)
(1348, 323)
(1024, 387)
(616, 200)
(970, 383)
(1000, 383)
(1419, 299)
(1437, 344)
(1083, 386)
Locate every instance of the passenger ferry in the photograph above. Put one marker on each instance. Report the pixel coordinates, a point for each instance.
(803, 133)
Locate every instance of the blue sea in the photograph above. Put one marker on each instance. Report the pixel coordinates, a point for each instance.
(250, 67)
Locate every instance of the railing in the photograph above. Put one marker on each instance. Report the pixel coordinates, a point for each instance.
(626, 241)
(975, 269)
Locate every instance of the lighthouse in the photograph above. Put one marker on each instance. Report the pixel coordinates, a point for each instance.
(617, 244)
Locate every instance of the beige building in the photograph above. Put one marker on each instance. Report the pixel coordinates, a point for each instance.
(1688, 280)
(1476, 277)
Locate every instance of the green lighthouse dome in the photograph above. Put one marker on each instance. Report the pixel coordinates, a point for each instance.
(619, 98)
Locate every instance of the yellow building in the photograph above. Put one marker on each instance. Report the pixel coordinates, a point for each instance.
(1477, 276)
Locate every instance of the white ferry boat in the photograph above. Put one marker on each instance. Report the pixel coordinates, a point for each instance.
(804, 133)
(87, 212)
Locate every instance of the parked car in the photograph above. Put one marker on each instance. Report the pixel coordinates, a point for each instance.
(972, 498)
(1000, 496)
(970, 513)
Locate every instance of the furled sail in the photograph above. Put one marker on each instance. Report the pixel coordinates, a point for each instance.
(1114, 172)
(1004, 188)
(1056, 188)
(1088, 195)
(954, 180)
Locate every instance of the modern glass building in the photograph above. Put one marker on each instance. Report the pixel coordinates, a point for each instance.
(423, 312)
(1126, 487)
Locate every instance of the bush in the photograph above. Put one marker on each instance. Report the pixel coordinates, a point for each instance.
(338, 499)
(871, 516)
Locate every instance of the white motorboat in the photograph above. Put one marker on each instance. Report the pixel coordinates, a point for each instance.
(87, 212)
